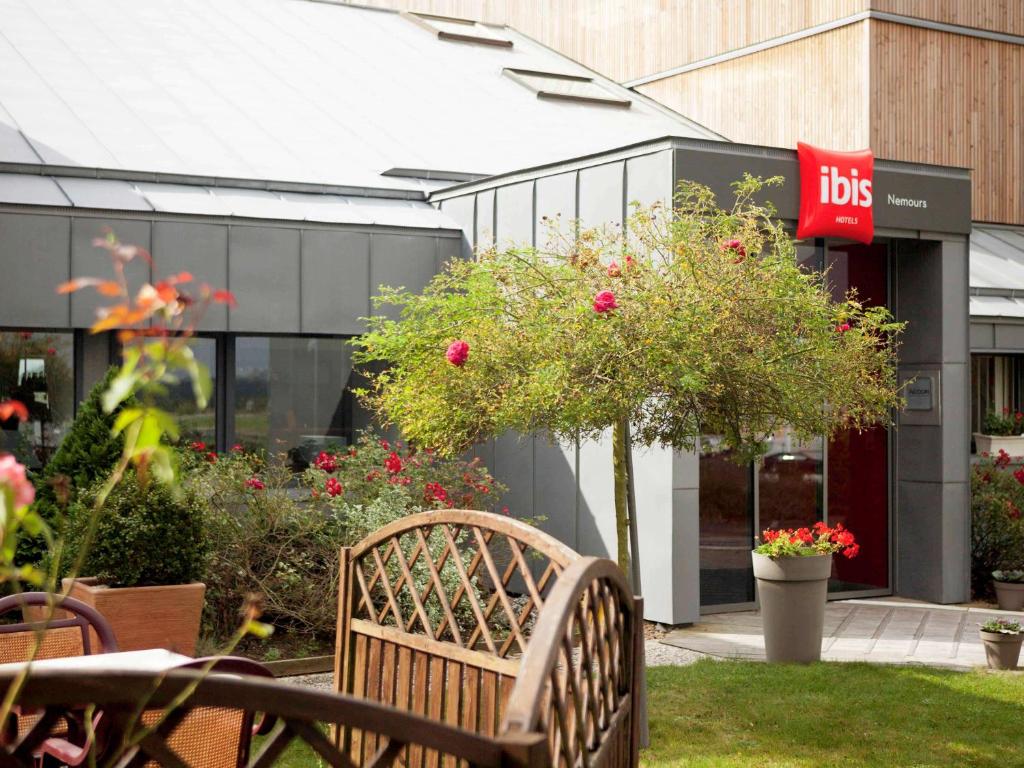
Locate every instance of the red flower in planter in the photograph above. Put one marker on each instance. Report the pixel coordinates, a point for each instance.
(393, 464)
(255, 483)
(851, 551)
(325, 462)
(458, 353)
(604, 301)
(333, 487)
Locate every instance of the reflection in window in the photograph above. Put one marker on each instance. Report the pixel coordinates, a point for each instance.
(179, 400)
(37, 368)
(726, 526)
(291, 395)
(790, 482)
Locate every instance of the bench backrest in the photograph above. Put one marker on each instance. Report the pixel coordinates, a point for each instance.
(435, 612)
(439, 613)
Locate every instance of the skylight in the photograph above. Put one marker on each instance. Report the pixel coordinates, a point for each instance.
(554, 85)
(459, 30)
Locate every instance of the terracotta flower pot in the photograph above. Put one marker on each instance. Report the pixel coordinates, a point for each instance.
(147, 617)
(1002, 651)
(792, 592)
(1009, 595)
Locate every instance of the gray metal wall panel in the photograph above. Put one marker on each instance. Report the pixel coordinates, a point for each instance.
(596, 519)
(649, 179)
(335, 281)
(556, 206)
(601, 195)
(36, 257)
(686, 469)
(983, 336)
(201, 249)
(484, 234)
(656, 522)
(514, 215)
(263, 274)
(685, 582)
(1009, 337)
(932, 461)
(463, 211)
(450, 248)
(95, 359)
(513, 457)
(401, 260)
(89, 261)
(554, 488)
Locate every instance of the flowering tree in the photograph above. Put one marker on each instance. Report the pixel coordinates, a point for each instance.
(695, 320)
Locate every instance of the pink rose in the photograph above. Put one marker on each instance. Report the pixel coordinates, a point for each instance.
(613, 269)
(605, 302)
(12, 475)
(458, 353)
(255, 483)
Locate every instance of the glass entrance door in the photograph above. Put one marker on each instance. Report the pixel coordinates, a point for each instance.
(844, 480)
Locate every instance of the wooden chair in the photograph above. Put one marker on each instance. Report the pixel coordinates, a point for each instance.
(484, 622)
(301, 714)
(75, 629)
(201, 736)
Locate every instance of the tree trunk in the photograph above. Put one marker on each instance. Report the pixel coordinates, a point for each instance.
(621, 471)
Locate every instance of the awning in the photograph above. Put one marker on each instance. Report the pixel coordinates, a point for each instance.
(997, 271)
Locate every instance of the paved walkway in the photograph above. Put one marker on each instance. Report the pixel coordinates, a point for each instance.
(885, 631)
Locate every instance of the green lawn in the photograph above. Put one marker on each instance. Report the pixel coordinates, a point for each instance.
(751, 715)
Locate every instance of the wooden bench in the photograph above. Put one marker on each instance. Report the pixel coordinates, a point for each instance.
(465, 639)
(484, 622)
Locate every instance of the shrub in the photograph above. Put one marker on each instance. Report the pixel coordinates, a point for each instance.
(147, 534)
(87, 454)
(997, 528)
(271, 535)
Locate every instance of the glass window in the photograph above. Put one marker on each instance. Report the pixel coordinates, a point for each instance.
(726, 526)
(37, 368)
(195, 425)
(291, 395)
(790, 482)
(997, 383)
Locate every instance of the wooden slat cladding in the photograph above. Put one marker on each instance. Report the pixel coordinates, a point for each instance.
(952, 100)
(814, 90)
(993, 15)
(635, 38)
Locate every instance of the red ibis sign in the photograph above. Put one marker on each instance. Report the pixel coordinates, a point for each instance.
(835, 194)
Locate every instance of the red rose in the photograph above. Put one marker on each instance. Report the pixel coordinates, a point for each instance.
(393, 464)
(458, 353)
(613, 269)
(198, 446)
(842, 328)
(333, 487)
(325, 462)
(237, 448)
(212, 457)
(604, 301)
(255, 483)
(737, 247)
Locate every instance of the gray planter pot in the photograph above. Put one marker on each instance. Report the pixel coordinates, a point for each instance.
(792, 592)
(1010, 596)
(1002, 651)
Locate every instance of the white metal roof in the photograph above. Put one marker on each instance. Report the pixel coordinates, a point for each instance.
(120, 195)
(286, 90)
(997, 271)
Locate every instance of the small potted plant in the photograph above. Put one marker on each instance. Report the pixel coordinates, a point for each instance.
(1001, 431)
(792, 568)
(1002, 640)
(1009, 589)
(143, 563)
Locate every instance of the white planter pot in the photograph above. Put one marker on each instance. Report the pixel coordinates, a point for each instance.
(992, 444)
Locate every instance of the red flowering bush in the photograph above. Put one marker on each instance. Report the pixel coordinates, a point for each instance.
(355, 476)
(997, 524)
(819, 539)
